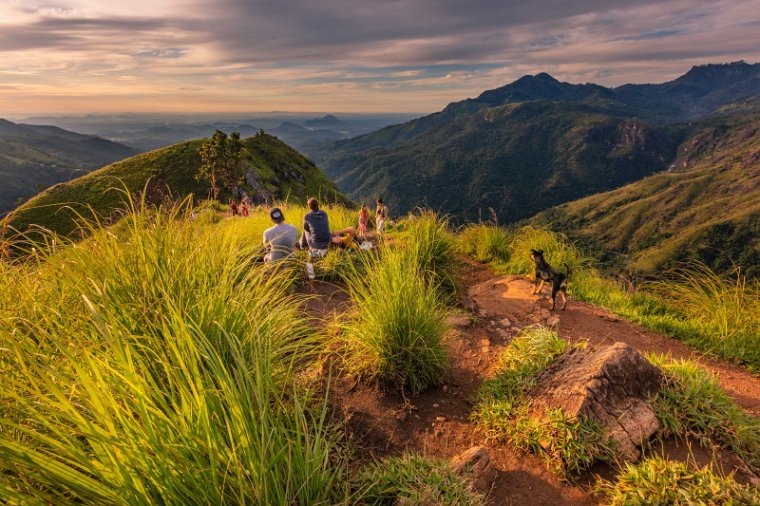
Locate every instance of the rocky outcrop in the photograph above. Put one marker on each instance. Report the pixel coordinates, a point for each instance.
(608, 385)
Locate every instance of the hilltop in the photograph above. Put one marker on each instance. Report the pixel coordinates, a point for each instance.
(276, 171)
(33, 157)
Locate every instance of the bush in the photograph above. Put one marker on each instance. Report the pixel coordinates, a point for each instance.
(427, 239)
(395, 335)
(659, 481)
(413, 479)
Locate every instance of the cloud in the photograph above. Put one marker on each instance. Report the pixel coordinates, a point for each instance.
(424, 52)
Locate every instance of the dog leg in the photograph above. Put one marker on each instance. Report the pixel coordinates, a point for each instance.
(564, 300)
(539, 287)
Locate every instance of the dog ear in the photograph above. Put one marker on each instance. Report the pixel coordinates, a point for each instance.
(540, 252)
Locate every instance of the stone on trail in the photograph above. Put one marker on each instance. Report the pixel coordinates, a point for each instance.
(608, 385)
(477, 462)
(459, 321)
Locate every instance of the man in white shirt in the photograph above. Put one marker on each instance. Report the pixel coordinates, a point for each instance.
(279, 240)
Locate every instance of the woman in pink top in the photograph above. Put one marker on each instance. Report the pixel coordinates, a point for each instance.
(363, 220)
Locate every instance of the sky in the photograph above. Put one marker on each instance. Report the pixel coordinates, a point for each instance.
(99, 56)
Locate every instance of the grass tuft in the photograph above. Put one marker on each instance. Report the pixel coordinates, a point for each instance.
(692, 403)
(413, 479)
(660, 481)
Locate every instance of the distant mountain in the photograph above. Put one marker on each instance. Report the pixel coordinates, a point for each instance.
(303, 138)
(276, 171)
(534, 143)
(706, 207)
(33, 157)
(327, 121)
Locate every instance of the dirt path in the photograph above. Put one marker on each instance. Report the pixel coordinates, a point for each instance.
(510, 296)
(437, 423)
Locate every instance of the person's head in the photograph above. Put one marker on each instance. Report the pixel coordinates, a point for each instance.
(276, 215)
(313, 204)
(379, 202)
(364, 207)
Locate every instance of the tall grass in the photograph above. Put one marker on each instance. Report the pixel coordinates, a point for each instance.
(395, 335)
(557, 250)
(486, 243)
(724, 310)
(156, 363)
(427, 239)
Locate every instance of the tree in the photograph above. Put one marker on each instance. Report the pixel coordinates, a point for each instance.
(222, 158)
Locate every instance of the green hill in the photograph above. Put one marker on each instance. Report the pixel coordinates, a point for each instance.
(276, 172)
(34, 157)
(706, 207)
(517, 159)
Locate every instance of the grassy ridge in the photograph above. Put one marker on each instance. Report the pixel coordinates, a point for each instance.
(168, 173)
(707, 208)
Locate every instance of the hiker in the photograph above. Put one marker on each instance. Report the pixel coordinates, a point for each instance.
(316, 230)
(363, 221)
(279, 240)
(234, 207)
(244, 208)
(381, 213)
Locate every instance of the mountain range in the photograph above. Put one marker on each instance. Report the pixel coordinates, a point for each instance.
(534, 143)
(33, 157)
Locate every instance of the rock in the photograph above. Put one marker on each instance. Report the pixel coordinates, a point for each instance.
(552, 321)
(468, 304)
(609, 385)
(477, 462)
(505, 322)
(458, 321)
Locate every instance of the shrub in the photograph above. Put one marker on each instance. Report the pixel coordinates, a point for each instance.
(660, 481)
(429, 242)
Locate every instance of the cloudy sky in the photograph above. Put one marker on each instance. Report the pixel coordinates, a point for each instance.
(83, 56)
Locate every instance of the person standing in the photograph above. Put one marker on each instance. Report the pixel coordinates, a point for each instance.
(279, 240)
(234, 207)
(363, 221)
(316, 230)
(381, 213)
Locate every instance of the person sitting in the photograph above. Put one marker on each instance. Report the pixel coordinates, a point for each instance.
(316, 230)
(279, 240)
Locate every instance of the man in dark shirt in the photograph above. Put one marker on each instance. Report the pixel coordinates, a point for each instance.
(316, 230)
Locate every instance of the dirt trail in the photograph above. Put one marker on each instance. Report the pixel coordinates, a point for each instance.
(437, 423)
(511, 296)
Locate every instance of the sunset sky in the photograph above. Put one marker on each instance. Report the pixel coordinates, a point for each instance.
(85, 56)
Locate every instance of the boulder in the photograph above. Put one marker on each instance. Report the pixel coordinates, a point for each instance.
(609, 385)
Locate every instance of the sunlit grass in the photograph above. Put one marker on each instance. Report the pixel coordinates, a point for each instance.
(156, 362)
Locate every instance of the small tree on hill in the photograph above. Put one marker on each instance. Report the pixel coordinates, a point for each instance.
(221, 161)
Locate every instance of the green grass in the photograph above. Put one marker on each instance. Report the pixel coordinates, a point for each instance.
(486, 243)
(413, 479)
(427, 238)
(395, 334)
(156, 363)
(692, 403)
(659, 481)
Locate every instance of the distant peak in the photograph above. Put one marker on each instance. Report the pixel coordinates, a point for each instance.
(545, 77)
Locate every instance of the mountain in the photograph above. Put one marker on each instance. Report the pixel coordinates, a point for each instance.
(534, 143)
(276, 171)
(33, 157)
(327, 121)
(707, 207)
(303, 138)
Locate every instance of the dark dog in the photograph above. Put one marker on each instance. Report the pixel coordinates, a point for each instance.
(545, 273)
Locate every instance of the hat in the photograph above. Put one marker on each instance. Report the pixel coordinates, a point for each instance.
(276, 215)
